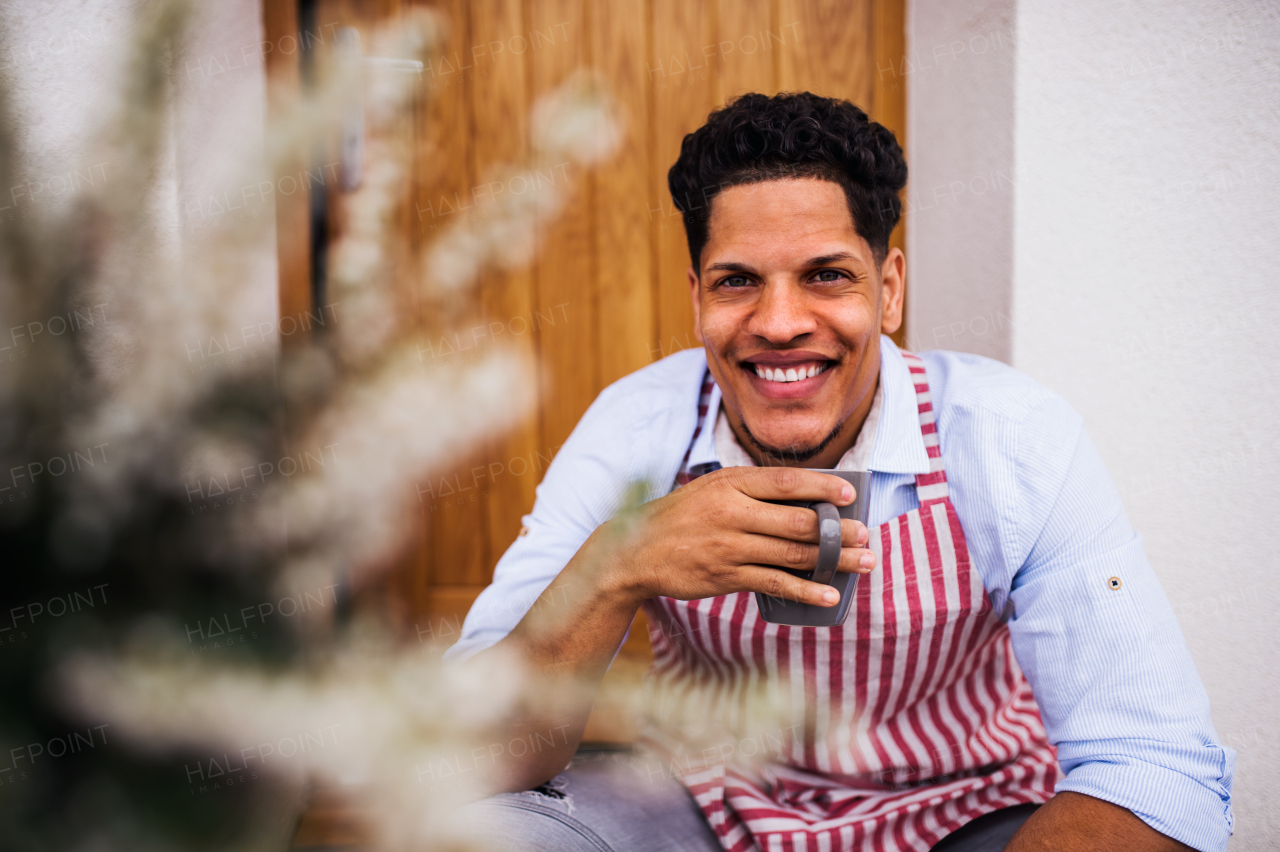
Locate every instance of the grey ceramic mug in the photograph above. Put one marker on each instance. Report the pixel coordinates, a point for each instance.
(782, 611)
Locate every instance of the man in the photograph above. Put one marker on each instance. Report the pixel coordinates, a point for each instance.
(1010, 671)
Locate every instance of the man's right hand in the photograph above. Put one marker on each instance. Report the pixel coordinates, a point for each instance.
(716, 536)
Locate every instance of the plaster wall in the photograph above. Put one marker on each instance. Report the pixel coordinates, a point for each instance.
(1135, 260)
(959, 199)
(65, 63)
(1147, 138)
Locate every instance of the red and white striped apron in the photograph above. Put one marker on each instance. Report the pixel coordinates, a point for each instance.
(911, 719)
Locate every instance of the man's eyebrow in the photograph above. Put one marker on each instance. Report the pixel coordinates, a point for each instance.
(820, 260)
(824, 259)
(729, 266)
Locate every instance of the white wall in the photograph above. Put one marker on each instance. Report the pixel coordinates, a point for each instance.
(1145, 244)
(63, 62)
(959, 201)
(66, 59)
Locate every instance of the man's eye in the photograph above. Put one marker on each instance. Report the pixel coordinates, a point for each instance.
(734, 281)
(828, 276)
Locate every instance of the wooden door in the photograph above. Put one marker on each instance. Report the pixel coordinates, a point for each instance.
(607, 293)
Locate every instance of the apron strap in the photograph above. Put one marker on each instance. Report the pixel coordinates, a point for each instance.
(931, 487)
(684, 476)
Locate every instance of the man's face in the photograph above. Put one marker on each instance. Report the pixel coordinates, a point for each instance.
(790, 304)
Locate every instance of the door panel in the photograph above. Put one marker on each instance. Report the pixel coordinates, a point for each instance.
(607, 293)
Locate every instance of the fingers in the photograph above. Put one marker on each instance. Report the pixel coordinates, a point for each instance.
(856, 555)
(794, 522)
(780, 584)
(857, 561)
(786, 553)
(854, 533)
(786, 483)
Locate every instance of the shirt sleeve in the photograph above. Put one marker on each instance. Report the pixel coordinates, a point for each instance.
(584, 486)
(1100, 645)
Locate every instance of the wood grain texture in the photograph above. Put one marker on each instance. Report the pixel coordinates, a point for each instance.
(500, 96)
(566, 307)
(454, 511)
(831, 51)
(744, 49)
(623, 247)
(682, 81)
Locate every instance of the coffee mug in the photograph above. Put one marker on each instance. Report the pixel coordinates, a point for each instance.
(782, 611)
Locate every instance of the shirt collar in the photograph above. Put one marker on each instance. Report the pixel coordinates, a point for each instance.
(899, 446)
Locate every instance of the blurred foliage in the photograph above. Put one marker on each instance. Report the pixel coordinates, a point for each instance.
(146, 661)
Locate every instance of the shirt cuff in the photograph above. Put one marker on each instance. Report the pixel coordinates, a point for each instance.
(1172, 803)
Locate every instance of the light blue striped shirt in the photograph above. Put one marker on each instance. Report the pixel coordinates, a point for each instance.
(1117, 689)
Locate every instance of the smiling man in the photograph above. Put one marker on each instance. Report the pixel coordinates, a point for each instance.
(1009, 675)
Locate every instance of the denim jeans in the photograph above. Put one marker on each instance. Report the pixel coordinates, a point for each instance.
(602, 803)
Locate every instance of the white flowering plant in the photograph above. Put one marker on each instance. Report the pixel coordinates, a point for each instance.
(173, 678)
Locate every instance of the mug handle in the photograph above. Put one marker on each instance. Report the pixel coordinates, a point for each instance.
(828, 543)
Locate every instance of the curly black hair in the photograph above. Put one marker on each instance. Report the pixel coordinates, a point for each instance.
(757, 138)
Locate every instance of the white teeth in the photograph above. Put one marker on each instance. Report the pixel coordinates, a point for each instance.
(789, 375)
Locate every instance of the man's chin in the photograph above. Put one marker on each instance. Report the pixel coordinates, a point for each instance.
(793, 451)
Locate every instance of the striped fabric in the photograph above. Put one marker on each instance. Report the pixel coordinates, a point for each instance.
(911, 719)
(685, 476)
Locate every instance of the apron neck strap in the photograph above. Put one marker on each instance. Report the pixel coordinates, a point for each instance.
(931, 487)
(686, 475)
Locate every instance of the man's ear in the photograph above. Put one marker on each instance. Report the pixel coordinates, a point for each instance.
(893, 279)
(694, 294)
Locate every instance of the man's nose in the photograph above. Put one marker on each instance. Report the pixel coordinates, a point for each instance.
(781, 314)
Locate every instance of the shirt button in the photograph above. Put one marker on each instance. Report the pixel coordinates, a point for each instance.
(1114, 584)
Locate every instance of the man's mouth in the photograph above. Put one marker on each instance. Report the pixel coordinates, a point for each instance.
(790, 373)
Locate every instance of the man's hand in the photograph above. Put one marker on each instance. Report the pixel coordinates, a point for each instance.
(716, 535)
(711, 537)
